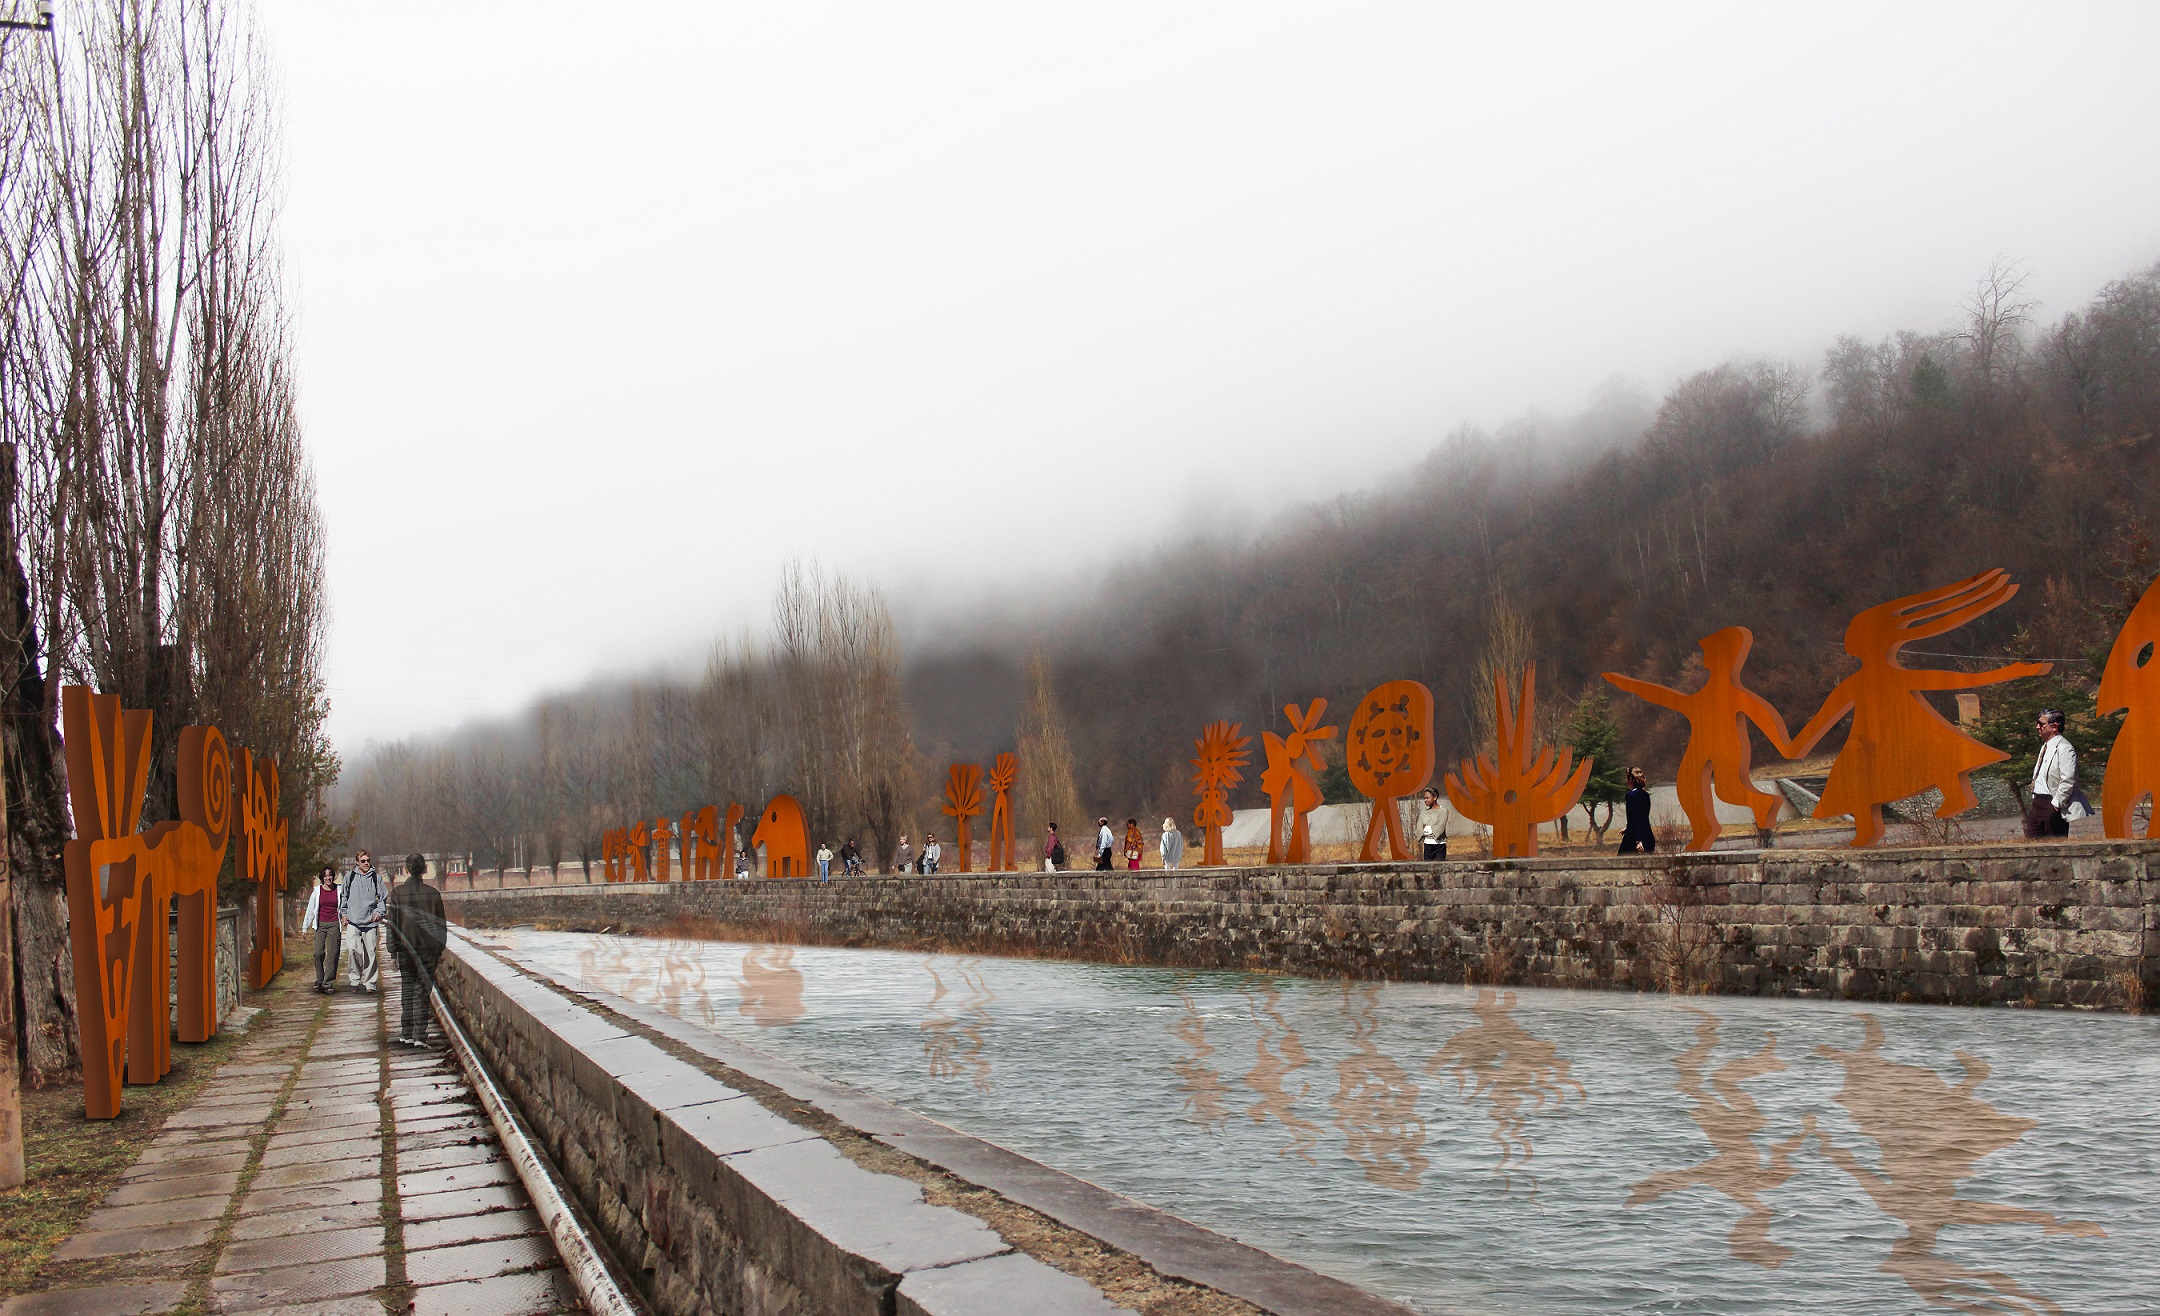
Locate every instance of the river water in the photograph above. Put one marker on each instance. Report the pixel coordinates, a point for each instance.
(1513, 1151)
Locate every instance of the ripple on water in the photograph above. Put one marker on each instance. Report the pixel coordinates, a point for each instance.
(1504, 1151)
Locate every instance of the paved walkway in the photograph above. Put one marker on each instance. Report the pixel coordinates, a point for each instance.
(322, 1170)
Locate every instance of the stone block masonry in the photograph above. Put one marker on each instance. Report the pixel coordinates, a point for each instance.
(2064, 924)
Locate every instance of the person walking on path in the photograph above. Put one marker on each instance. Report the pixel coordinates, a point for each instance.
(824, 861)
(418, 931)
(904, 857)
(1053, 850)
(360, 904)
(1105, 845)
(322, 920)
(931, 853)
(1173, 843)
(1432, 825)
(1637, 838)
(2054, 782)
(1134, 847)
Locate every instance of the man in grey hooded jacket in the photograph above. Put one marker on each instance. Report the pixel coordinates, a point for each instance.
(361, 901)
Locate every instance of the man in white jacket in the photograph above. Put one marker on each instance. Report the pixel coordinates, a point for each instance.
(2054, 778)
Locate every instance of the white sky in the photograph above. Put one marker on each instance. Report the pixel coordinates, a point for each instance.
(608, 309)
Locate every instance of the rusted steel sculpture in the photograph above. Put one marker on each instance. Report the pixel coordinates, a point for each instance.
(1288, 781)
(121, 882)
(1002, 772)
(1390, 750)
(1220, 766)
(663, 855)
(263, 840)
(1899, 745)
(786, 838)
(1514, 794)
(1719, 752)
(2131, 683)
(640, 836)
(963, 801)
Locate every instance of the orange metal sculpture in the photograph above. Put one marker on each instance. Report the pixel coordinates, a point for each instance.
(731, 839)
(1220, 766)
(639, 836)
(1719, 752)
(1390, 751)
(2131, 682)
(1515, 794)
(611, 854)
(1899, 745)
(263, 839)
(785, 836)
(1002, 772)
(121, 883)
(1288, 781)
(663, 854)
(963, 800)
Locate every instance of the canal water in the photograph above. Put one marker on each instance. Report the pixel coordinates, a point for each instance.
(1511, 1151)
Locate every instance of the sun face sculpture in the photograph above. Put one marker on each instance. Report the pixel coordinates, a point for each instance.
(1390, 753)
(963, 801)
(1219, 766)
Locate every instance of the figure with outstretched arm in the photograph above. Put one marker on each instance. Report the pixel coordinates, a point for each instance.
(1719, 753)
(1899, 745)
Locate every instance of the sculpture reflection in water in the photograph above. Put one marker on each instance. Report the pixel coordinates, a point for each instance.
(1730, 1119)
(771, 986)
(1376, 1101)
(1513, 1071)
(952, 1037)
(1281, 1055)
(675, 980)
(1929, 1134)
(1206, 1097)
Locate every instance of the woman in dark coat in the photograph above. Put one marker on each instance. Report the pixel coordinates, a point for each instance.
(1637, 838)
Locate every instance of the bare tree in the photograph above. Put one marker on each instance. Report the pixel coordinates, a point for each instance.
(1044, 783)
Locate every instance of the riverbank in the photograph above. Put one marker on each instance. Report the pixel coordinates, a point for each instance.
(2067, 924)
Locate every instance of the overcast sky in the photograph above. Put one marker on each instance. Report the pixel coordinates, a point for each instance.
(607, 309)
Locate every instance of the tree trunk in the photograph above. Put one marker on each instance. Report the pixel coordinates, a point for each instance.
(11, 1142)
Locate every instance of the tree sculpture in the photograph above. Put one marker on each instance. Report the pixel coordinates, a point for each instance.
(1718, 749)
(1288, 780)
(1389, 750)
(1514, 794)
(1220, 766)
(1899, 745)
(1002, 772)
(2131, 681)
(785, 836)
(963, 801)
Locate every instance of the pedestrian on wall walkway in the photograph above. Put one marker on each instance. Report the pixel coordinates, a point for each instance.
(1173, 843)
(1053, 850)
(932, 852)
(1133, 846)
(1432, 825)
(418, 932)
(1638, 838)
(824, 861)
(322, 920)
(360, 903)
(1105, 845)
(2056, 799)
(904, 857)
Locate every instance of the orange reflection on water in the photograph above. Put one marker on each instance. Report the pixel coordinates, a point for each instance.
(1930, 1134)
(953, 1042)
(771, 986)
(1281, 1054)
(1496, 1059)
(1204, 1091)
(1730, 1119)
(1376, 1101)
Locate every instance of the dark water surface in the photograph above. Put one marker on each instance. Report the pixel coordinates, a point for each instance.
(1469, 1150)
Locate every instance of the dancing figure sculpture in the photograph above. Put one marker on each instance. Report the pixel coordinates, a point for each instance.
(1291, 761)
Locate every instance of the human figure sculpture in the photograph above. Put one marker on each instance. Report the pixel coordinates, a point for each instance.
(1899, 745)
(1288, 781)
(2131, 682)
(1718, 751)
(638, 838)
(1002, 772)
(1389, 748)
(663, 855)
(785, 836)
(732, 842)
(963, 803)
(1218, 767)
(1513, 794)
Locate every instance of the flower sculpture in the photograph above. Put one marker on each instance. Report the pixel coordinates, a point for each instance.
(963, 800)
(1291, 761)
(1220, 766)
(1515, 794)
(1002, 773)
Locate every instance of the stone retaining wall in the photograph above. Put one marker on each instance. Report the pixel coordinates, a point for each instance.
(2060, 924)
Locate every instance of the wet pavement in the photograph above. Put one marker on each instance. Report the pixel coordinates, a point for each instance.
(324, 1169)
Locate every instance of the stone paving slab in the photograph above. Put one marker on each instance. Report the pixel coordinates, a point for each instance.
(305, 1220)
(165, 1190)
(422, 1234)
(256, 1290)
(177, 1211)
(133, 1299)
(455, 1178)
(326, 1172)
(470, 1201)
(445, 1265)
(504, 1295)
(301, 1249)
(294, 1149)
(92, 1244)
(181, 1167)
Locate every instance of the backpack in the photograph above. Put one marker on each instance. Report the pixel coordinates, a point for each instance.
(1057, 853)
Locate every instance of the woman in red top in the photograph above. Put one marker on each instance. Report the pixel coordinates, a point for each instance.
(1134, 847)
(322, 920)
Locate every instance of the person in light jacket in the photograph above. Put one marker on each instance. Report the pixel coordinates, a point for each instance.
(1432, 824)
(1105, 845)
(931, 853)
(1173, 843)
(322, 920)
(824, 861)
(2054, 780)
(360, 903)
